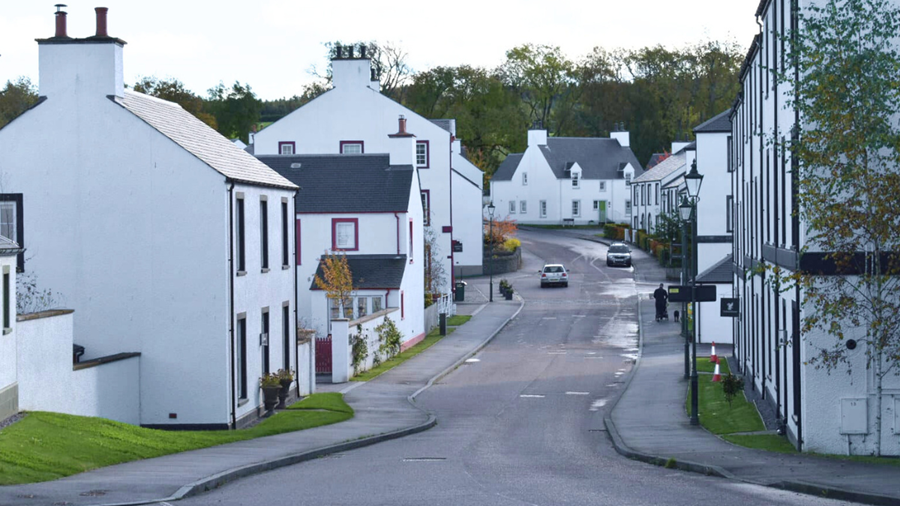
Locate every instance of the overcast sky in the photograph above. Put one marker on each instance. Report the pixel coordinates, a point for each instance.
(271, 44)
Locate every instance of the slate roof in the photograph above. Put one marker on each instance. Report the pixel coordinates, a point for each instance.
(599, 158)
(720, 272)
(363, 183)
(200, 140)
(665, 168)
(655, 159)
(447, 124)
(8, 246)
(718, 123)
(678, 181)
(371, 271)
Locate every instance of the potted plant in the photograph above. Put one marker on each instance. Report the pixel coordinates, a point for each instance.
(271, 385)
(285, 378)
(504, 286)
(509, 292)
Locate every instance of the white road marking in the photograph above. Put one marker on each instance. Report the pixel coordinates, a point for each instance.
(579, 316)
(557, 352)
(529, 396)
(593, 357)
(354, 385)
(617, 384)
(599, 403)
(472, 360)
(548, 318)
(578, 393)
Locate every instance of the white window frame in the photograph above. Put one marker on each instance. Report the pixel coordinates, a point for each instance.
(576, 180)
(597, 205)
(524, 179)
(286, 149)
(512, 207)
(424, 154)
(603, 186)
(627, 207)
(349, 235)
(576, 208)
(523, 207)
(542, 206)
(352, 145)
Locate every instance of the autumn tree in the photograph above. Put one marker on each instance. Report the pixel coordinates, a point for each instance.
(173, 90)
(336, 281)
(15, 98)
(845, 75)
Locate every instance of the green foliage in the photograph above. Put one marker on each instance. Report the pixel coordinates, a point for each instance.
(16, 98)
(359, 348)
(270, 380)
(389, 338)
(610, 231)
(433, 337)
(731, 386)
(429, 300)
(715, 413)
(235, 109)
(511, 244)
(457, 320)
(47, 446)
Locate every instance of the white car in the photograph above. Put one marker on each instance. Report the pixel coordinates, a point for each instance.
(554, 274)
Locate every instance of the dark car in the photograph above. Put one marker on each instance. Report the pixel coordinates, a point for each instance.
(618, 254)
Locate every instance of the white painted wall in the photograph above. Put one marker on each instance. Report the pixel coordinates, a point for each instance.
(468, 184)
(8, 345)
(47, 381)
(712, 326)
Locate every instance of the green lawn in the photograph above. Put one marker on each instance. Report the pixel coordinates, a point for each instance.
(768, 442)
(715, 413)
(456, 321)
(432, 337)
(552, 227)
(45, 446)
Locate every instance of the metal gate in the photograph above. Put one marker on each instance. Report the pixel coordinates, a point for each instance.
(323, 355)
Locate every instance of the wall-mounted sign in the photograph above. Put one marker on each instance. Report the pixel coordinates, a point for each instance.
(704, 293)
(730, 307)
(457, 247)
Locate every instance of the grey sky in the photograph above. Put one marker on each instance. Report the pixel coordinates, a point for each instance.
(271, 44)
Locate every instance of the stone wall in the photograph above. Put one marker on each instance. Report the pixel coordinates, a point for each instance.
(503, 262)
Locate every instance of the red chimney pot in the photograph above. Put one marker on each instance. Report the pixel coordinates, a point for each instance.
(402, 125)
(101, 21)
(61, 24)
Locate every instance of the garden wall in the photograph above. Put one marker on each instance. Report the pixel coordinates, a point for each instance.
(503, 262)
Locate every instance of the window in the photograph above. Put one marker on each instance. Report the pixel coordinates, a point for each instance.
(287, 148)
(284, 233)
(297, 240)
(576, 208)
(286, 335)
(411, 248)
(422, 159)
(264, 341)
(344, 234)
(656, 193)
(636, 199)
(603, 186)
(242, 355)
(241, 251)
(334, 309)
(352, 147)
(627, 207)
(426, 207)
(523, 207)
(524, 179)
(264, 233)
(402, 305)
(596, 205)
(627, 177)
(347, 305)
(11, 223)
(512, 207)
(730, 154)
(6, 308)
(729, 209)
(376, 304)
(543, 208)
(575, 182)
(362, 307)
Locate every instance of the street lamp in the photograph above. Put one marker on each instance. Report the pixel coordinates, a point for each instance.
(491, 209)
(684, 214)
(688, 212)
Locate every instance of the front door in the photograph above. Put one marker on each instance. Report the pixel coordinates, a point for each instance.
(602, 211)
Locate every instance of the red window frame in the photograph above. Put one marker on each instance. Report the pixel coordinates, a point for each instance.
(292, 144)
(334, 223)
(362, 146)
(427, 155)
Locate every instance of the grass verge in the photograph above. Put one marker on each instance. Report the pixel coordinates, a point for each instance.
(715, 413)
(432, 337)
(45, 446)
(457, 320)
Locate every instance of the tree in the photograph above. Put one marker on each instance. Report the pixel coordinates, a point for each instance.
(845, 75)
(543, 77)
(173, 90)
(337, 282)
(16, 98)
(236, 109)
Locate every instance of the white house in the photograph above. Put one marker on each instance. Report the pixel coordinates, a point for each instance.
(566, 179)
(822, 412)
(354, 117)
(9, 387)
(714, 255)
(167, 238)
(652, 192)
(373, 216)
(468, 189)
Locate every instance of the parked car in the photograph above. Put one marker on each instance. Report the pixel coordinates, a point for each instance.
(554, 274)
(618, 254)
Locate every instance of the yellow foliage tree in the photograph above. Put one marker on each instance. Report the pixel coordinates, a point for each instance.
(338, 279)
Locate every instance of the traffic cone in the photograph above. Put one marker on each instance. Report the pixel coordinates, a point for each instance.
(712, 354)
(716, 376)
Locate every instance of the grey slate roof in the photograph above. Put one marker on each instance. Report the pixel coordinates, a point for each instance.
(654, 160)
(8, 246)
(720, 272)
(201, 141)
(363, 183)
(664, 169)
(598, 158)
(447, 124)
(678, 181)
(719, 123)
(371, 271)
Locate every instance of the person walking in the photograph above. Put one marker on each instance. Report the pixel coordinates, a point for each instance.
(662, 298)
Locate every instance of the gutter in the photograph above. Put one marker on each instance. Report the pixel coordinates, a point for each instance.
(231, 274)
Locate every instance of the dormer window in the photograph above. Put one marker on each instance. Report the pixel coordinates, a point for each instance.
(287, 148)
(576, 183)
(627, 177)
(352, 147)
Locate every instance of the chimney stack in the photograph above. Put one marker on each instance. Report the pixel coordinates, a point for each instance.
(402, 147)
(101, 21)
(60, 21)
(402, 122)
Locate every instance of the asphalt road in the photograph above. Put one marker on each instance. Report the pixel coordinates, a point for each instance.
(522, 423)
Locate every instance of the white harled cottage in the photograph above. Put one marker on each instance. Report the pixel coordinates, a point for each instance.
(166, 238)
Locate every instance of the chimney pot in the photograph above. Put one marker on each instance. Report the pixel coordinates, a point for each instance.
(350, 52)
(340, 52)
(60, 21)
(362, 51)
(402, 122)
(101, 21)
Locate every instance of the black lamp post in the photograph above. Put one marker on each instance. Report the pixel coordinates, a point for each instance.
(688, 211)
(491, 209)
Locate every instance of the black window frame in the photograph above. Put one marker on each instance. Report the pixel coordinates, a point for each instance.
(6, 301)
(264, 233)
(241, 235)
(286, 335)
(20, 226)
(285, 255)
(264, 329)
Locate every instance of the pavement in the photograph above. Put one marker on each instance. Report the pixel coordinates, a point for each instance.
(385, 409)
(649, 423)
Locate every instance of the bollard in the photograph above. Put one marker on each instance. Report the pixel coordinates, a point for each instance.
(443, 324)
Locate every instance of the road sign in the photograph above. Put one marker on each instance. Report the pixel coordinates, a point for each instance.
(730, 307)
(705, 293)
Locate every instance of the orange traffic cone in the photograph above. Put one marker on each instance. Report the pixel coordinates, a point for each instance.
(716, 376)
(712, 354)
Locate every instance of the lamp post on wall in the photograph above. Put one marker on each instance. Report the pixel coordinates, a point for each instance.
(688, 211)
(491, 209)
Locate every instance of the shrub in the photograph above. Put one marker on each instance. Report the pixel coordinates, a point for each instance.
(429, 300)
(512, 244)
(390, 337)
(731, 386)
(610, 231)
